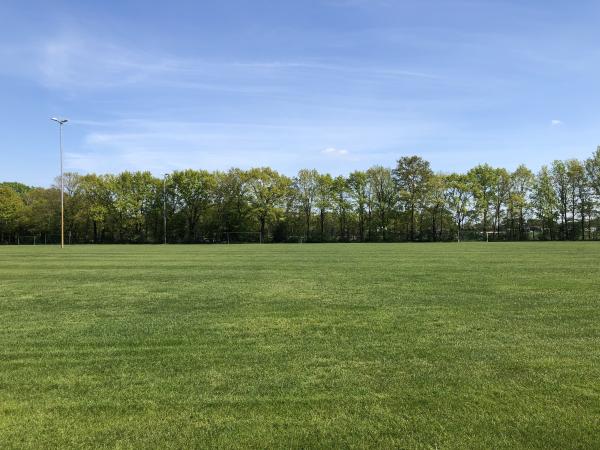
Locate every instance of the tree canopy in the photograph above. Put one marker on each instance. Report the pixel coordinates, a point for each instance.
(407, 203)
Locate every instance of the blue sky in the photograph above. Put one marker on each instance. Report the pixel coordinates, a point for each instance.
(336, 85)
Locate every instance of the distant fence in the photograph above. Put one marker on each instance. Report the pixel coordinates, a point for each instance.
(70, 239)
(40, 239)
(250, 237)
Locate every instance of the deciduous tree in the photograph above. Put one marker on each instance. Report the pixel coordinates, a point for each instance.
(412, 175)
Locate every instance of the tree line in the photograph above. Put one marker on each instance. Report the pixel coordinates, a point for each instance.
(406, 203)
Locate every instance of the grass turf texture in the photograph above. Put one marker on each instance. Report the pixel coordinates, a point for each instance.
(431, 345)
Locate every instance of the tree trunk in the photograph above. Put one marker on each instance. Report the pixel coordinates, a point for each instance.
(412, 222)
(322, 222)
(361, 226)
(433, 226)
(307, 214)
(485, 220)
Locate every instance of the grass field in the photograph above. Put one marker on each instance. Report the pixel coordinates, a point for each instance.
(413, 346)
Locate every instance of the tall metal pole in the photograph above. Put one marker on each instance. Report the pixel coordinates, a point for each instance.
(62, 190)
(61, 122)
(165, 208)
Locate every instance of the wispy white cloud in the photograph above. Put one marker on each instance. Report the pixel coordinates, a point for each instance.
(73, 60)
(332, 151)
(556, 122)
(345, 68)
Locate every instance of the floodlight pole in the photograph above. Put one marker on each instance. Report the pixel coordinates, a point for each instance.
(165, 208)
(61, 122)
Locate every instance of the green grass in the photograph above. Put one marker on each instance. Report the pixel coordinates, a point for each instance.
(412, 346)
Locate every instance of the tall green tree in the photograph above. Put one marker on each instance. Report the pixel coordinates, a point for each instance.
(41, 215)
(577, 193)
(545, 202)
(193, 194)
(560, 182)
(232, 202)
(436, 202)
(358, 184)
(385, 197)
(412, 175)
(324, 199)
(11, 206)
(501, 194)
(519, 198)
(94, 204)
(267, 189)
(135, 195)
(592, 166)
(341, 204)
(306, 185)
(459, 194)
(484, 180)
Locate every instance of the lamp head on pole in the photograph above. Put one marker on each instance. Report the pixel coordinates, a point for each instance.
(60, 121)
